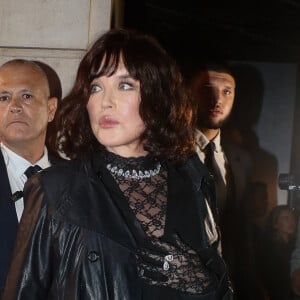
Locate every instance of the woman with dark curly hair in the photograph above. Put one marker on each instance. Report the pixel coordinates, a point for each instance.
(133, 215)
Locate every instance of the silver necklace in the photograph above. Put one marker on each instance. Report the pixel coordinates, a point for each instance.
(114, 170)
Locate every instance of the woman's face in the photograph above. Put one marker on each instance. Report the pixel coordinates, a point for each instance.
(113, 109)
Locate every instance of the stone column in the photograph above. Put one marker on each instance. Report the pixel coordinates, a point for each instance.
(55, 32)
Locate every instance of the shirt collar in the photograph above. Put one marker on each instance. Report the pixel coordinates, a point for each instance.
(19, 163)
(202, 140)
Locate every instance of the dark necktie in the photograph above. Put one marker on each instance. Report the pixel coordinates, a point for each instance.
(28, 172)
(211, 164)
(32, 170)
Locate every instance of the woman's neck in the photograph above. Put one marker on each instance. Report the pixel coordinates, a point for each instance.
(128, 151)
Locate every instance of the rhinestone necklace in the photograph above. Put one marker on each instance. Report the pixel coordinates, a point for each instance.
(134, 174)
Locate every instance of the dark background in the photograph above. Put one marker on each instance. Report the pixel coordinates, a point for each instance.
(263, 38)
(266, 30)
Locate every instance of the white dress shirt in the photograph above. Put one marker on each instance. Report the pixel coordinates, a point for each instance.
(201, 143)
(16, 166)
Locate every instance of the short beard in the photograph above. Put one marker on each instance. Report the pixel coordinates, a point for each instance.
(209, 124)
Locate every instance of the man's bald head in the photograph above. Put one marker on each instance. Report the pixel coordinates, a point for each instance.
(29, 65)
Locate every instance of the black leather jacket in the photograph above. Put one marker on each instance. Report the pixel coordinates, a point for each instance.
(78, 238)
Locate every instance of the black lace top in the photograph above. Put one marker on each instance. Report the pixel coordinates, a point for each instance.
(146, 193)
(143, 181)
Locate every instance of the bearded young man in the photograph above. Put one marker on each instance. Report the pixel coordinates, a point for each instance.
(212, 88)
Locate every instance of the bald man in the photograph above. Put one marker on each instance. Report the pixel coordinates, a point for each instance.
(25, 111)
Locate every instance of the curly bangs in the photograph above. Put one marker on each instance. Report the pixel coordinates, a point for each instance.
(164, 105)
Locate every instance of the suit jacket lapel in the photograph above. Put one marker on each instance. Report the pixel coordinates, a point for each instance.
(134, 228)
(8, 221)
(235, 171)
(5, 191)
(186, 210)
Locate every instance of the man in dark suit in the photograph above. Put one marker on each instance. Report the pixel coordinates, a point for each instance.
(26, 108)
(212, 89)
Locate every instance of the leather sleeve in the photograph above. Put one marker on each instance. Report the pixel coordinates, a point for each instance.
(29, 271)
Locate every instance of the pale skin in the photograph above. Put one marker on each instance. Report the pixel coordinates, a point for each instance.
(214, 91)
(113, 109)
(25, 109)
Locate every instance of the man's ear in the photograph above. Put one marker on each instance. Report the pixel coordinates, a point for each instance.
(52, 106)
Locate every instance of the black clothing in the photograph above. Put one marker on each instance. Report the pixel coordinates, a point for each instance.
(147, 197)
(148, 200)
(8, 218)
(274, 262)
(79, 238)
(235, 226)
